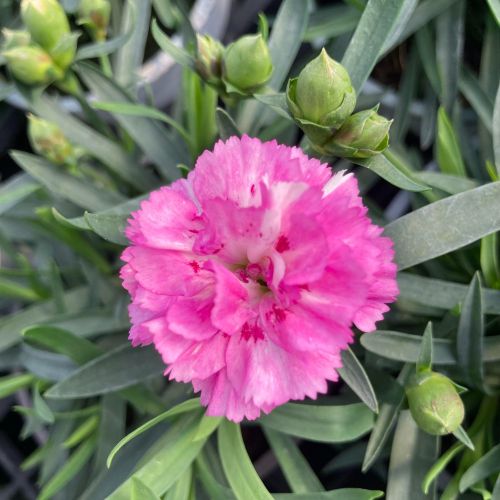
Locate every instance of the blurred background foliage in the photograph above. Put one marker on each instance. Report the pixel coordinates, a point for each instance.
(130, 113)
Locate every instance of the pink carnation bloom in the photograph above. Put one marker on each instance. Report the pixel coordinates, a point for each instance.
(249, 275)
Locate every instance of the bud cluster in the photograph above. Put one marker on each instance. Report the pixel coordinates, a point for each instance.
(42, 53)
(240, 69)
(321, 100)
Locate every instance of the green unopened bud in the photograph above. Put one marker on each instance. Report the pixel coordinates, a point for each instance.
(434, 403)
(46, 21)
(47, 140)
(322, 94)
(15, 38)
(94, 15)
(362, 135)
(247, 64)
(32, 65)
(209, 58)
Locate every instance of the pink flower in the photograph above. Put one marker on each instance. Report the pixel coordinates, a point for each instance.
(249, 275)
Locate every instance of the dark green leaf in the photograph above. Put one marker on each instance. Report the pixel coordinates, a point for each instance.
(225, 124)
(111, 227)
(185, 407)
(155, 141)
(117, 369)
(381, 165)
(97, 49)
(447, 225)
(448, 153)
(424, 361)
(413, 452)
(354, 375)
(379, 20)
(79, 191)
(469, 342)
(341, 494)
(463, 437)
(179, 55)
(329, 424)
(386, 419)
(440, 465)
(331, 21)
(297, 471)
(240, 472)
(451, 184)
(496, 130)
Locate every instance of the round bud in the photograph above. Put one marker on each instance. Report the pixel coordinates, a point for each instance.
(362, 135)
(434, 403)
(94, 15)
(247, 63)
(47, 140)
(32, 65)
(322, 94)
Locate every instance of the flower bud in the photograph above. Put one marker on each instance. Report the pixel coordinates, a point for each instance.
(322, 94)
(362, 135)
(247, 64)
(32, 65)
(434, 403)
(209, 58)
(46, 21)
(94, 15)
(47, 140)
(15, 38)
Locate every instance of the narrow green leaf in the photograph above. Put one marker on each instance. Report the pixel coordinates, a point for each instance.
(449, 52)
(207, 426)
(379, 20)
(331, 22)
(12, 325)
(464, 438)
(61, 341)
(386, 419)
(496, 130)
(472, 90)
(13, 290)
(183, 488)
(179, 55)
(496, 491)
(451, 184)
(447, 225)
(141, 491)
(495, 9)
(413, 452)
(84, 430)
(405, 348)
(15, 190)
(158, 144)
(141, 110)
(440, 465)
(386, 169)
(354, 375)
(225, 124)
(470, 333)
(115, 370)
(240, 472)
(106, 150)
(297, 471)
(489, 260)
(185, 407)
(340, 494)
(134, 21)
(441, 294)
(448, 153)
(110, 227)
(97, 49)
(424, 361)
(10, 384)
(70, 468)
(169, 458)
(78, 191)
(41, 408)
(329, 424)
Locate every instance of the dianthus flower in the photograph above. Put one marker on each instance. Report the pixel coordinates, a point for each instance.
(249, 276)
